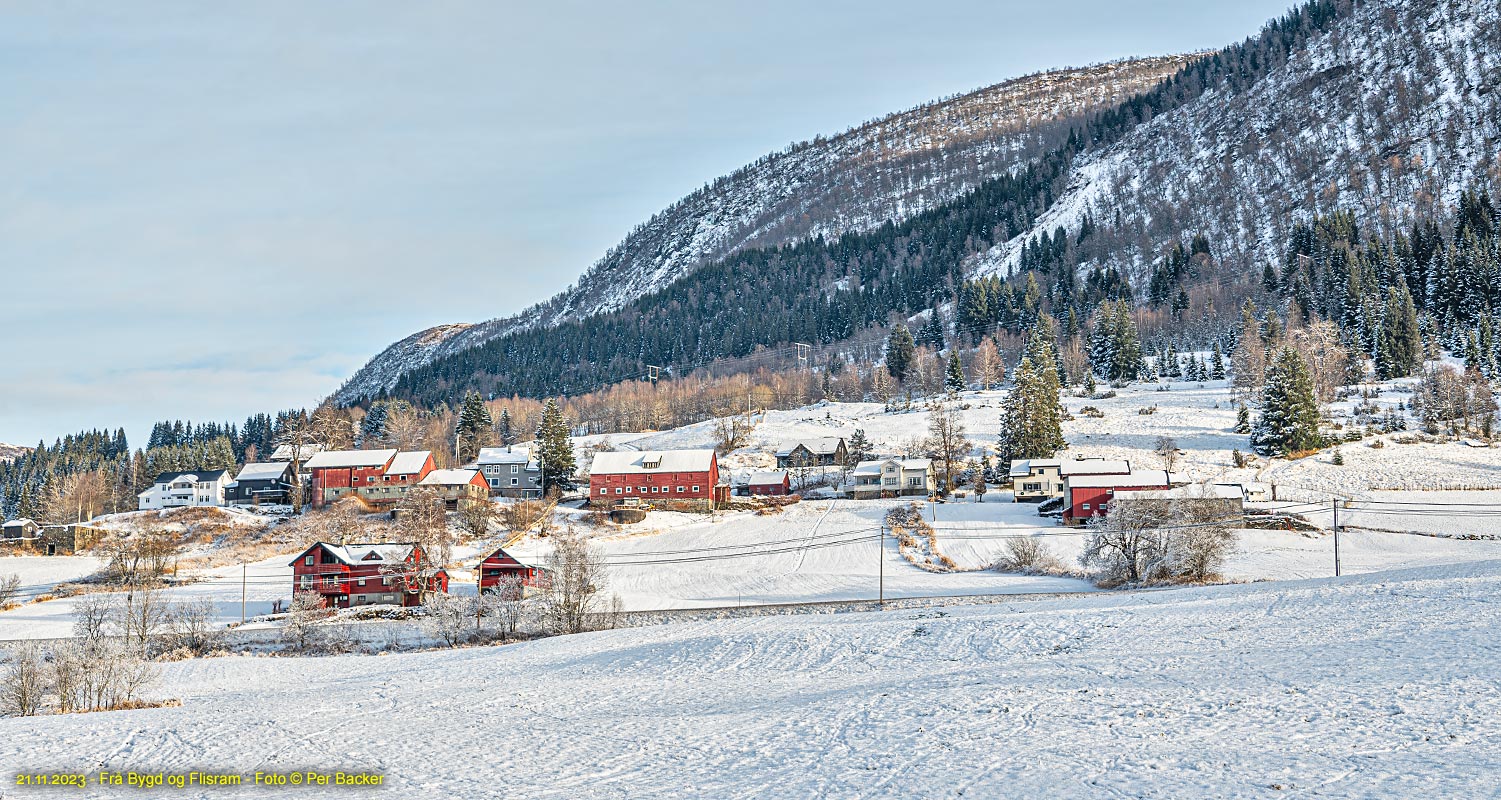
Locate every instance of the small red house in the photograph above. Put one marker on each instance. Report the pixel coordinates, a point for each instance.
(654, 475)
(500, 564)
(1088, 496)
(771, 483)
(349, 575)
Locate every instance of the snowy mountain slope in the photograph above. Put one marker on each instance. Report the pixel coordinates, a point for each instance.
(1373, 686)
(889, 169)
(1392, 110)
(10, 452)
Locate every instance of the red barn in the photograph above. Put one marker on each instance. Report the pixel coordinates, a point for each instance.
(500, 564)
(654, 475)
(381, 477)
(1088, 496)
(773, 483)
(350, 575)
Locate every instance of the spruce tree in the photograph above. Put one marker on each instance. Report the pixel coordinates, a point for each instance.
(1243, 419)
(1289, 420)
(506, 432)
(475, 428)
(1217, 364)
(900, 350)
(1032, 417)
(953, 379)
(555, 450)
(858, 448)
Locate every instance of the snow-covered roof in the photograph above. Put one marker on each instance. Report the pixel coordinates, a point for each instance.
(821, 446)
(504, 455)
(262, 471)
(767, 477)
(409, 462)
(17, 523)
(651, 461)
(370, 553)
(1024, 467)
(196, 476)
(875, 466)
(449, 477)
(345, 459)
(1093, 466)
(284, 452)
(1215, 491)
(1145, 477)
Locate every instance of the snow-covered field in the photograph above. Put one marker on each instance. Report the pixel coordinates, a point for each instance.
(1371, 686)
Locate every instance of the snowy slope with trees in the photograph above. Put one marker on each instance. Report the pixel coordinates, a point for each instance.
(886, 170)
(1369, 686)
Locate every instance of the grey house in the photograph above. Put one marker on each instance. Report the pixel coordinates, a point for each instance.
(267, 482)
(510, 472)
(826, 451)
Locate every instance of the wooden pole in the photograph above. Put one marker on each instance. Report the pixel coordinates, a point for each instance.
(243, 582)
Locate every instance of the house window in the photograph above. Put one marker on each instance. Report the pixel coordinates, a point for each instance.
(1085, 506)
(514, 482)
(362, 581)
(309, 560)
(1031, 487)
(515, 469)
(495, 482)
(889, 481)
(330, 580)
(388, 598)
(914, 481)
(307, 581)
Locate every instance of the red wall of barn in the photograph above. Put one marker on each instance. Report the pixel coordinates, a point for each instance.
(1096, 495)
(705, 480)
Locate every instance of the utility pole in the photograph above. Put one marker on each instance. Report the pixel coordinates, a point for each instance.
(243, 581)
(1335, 504)
(881, 570)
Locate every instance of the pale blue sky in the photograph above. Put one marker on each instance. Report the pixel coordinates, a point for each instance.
(208, 211)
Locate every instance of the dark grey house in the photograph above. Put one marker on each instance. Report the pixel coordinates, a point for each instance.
(826, 451)
(262, 483)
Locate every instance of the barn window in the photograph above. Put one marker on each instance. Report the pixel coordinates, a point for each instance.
(603, 490)
(680, 489)
(695, 488)
(1085, 506)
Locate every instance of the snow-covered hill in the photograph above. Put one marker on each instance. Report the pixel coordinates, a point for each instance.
(1370, 686)
(1392, 110)
(10, 452)
(889, 169)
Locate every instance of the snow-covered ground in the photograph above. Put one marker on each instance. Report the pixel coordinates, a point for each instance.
(40, 573)
(1369, 686)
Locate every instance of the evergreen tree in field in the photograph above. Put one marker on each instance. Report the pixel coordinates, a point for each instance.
(953, 379)
(900, 351)
(858, 448)
(1217, 364)
(1243, 419)
(475, 429)
(1032, 418)
(1289, 420)
(506, 432)
(555, 450)
(1114, 345)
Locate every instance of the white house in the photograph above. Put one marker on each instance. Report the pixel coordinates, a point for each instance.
(510, 471)
(185, 490)
(1036, 479)
(891, 477)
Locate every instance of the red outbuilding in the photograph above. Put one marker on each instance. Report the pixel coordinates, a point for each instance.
(771, 483)
(499, 565)
(1088, 496)
(380, 477)
(350, 575)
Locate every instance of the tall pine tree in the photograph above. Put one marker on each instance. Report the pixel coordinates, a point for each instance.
(555, 450)
(1289, 421)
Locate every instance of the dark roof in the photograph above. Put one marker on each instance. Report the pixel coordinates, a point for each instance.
(203, 474)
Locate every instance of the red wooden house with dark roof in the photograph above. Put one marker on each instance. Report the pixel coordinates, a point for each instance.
(499, 565)
(349, 575)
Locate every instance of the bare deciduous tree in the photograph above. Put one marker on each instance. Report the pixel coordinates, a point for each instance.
(24, 682)
(1166, 448)
(578, 577)
(300, 627)
(947, 442)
